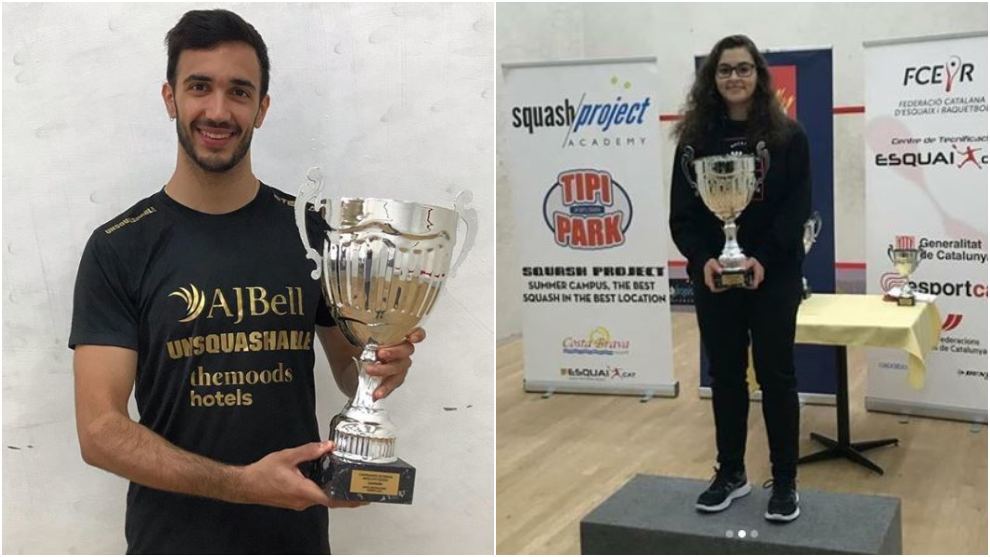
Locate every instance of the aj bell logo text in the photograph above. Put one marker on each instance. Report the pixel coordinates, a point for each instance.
(251, 300)
(953, 71)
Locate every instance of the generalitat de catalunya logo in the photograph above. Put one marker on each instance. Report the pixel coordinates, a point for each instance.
(587, 209)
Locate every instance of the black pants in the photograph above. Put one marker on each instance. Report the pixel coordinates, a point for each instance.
(729, 321)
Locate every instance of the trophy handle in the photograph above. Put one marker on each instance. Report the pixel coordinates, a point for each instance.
(687, 157)
(470, 218)
(309, 191)
(890, 252)
(364, 396)
(816, 227)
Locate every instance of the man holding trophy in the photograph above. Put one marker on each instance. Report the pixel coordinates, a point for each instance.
(740, 197)
(200, 299)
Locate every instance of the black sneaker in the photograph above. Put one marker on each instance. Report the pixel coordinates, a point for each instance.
(783, 505)
(724, 489)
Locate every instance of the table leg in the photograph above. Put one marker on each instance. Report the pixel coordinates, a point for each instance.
(867, 445)
(843, 448)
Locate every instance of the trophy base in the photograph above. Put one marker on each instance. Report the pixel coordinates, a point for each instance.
(905, 300)
(364, 481)
(734, 279)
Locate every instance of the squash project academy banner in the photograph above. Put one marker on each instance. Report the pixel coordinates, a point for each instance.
(926, 181)
(582, 155)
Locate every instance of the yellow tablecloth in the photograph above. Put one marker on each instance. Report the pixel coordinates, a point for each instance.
(867, 320)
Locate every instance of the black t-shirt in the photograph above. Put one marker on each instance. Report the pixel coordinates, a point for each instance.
(772, 225)
(221, 310)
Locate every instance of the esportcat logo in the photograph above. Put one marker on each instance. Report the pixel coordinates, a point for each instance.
(252, 301)
(967, 289)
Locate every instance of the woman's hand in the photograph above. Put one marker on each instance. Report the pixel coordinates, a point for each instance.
(712, 268)
(757, 268)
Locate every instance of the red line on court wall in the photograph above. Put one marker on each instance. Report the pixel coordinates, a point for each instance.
(844, 265)
(852, 109)
(849, 265)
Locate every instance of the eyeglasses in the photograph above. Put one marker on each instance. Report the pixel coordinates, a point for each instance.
(744, 69)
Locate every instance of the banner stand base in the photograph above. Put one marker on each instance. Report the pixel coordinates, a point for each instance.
(662, 390)
(927, 410)
(818, 399)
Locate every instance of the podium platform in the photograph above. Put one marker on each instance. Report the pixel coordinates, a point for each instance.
(656, 515)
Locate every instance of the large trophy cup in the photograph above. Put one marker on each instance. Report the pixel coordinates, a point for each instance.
(726, 184)
(382, 263)
(905, 258)
(812, 228)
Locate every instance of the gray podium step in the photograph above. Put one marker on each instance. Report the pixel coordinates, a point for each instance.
(656, 515)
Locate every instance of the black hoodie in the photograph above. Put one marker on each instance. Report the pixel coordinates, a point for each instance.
(771, 227)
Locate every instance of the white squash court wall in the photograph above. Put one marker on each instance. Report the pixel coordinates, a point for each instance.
(674, 33)
(394, 99)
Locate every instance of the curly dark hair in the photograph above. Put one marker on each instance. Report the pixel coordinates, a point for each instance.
(705, 107)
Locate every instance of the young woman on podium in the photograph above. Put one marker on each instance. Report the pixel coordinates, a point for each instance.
(732, 112)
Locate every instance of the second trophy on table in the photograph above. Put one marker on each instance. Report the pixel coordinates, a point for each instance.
(383, 263)
(812, 228)
(905, 257)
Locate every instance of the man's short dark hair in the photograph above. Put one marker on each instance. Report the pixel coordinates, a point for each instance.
(204, 29)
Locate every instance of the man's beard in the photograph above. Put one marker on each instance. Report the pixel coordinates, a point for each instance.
(216, 166)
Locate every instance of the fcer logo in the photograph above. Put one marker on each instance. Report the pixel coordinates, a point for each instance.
(587, 209)
(953, 71)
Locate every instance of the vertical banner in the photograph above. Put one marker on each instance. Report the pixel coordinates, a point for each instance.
(926, 180)
(802, 80)
(582, 155)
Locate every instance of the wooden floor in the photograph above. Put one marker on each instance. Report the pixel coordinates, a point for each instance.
(558, 458)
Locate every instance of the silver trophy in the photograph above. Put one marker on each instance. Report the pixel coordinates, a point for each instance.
(383, 263)
(726, 184)
(905, 260)
(812, 228)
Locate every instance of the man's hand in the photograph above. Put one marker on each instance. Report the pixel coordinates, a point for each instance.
(754, 264)
(393, 363)
(276, 480)
(712, 268)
